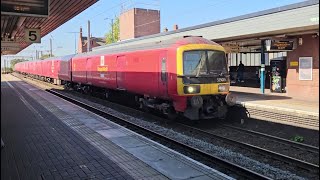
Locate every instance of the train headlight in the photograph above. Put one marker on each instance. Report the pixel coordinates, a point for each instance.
(191, 89)
(223, 87)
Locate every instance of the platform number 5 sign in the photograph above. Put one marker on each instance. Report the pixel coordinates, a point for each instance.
(32, 35)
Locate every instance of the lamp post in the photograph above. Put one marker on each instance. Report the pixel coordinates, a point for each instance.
(39, 52)
(111, 28)
(51, 45)
(262, 74)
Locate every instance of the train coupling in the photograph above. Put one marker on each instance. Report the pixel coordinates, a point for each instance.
(231, 99)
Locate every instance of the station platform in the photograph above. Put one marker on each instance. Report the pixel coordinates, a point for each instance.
(49, 138)
(279, 103)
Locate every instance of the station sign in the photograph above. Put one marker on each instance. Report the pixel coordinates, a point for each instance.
(281, 45)
(294, 63)
(35, 8)
(32, 35)
(231, 47)
(10, 46)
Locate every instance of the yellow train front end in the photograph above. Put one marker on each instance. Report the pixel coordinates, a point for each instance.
(203, 78)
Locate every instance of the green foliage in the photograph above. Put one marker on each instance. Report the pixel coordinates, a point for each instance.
(116, 32)
(297, 138)
(45, 56)
(6, 70)
(15, 61)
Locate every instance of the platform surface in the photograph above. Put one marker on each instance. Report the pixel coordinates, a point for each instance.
(253, 97)
(49, 138)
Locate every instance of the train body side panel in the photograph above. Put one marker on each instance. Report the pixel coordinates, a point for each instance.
(55, 65)
(44, 68)
(79, 71)
(64, 70)
(27, 67)
(57, 69)
(31, 67)
(172, 71)
(102, 71)
(47, 69)
(135, 72)
(39, 68)
(138, 72)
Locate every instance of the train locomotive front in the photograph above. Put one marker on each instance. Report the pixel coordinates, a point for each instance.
(202, 81)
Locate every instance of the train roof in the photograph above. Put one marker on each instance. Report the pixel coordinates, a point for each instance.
(111, 49)
(62, 58)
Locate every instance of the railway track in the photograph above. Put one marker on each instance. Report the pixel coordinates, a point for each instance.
(238, 170)
(289, 161)
(305, 147)
(259, 150)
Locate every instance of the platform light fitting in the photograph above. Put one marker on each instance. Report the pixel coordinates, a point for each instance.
(268, 44)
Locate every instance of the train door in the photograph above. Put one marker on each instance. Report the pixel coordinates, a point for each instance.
(52, 69)
(70, 69)
(163, 82)
(120, 76)
(89, 70)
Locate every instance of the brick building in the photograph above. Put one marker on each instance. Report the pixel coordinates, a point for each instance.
(139, 22)
(82, 43)
(304, 89)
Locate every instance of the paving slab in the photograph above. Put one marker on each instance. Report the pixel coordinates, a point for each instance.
(125, 153)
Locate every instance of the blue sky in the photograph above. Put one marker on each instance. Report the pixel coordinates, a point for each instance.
(185, 13)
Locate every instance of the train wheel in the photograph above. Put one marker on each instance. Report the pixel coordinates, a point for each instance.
(144, 107)
(87, 90)
(172, 114)
(107, 94)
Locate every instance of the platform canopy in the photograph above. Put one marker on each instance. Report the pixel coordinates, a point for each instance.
(243, 34)
(34, 18)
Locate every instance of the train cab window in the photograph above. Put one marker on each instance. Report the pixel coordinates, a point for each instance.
(163, 70)
(204, 63)
(194, 63)
(217, 62)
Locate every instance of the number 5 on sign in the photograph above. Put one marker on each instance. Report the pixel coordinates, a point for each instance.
(32, 35)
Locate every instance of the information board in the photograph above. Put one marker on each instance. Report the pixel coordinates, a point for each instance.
(305, 68)
(34, 8)
(281, 45)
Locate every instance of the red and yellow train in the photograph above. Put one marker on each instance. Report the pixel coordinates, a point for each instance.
(187, 75)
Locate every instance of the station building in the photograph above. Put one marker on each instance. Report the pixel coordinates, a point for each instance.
(244, 37)
(139, 22)
(83, 42)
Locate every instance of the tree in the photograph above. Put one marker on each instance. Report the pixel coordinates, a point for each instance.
(116, 32)
(45, 56)
(6, 70)
(15, 61)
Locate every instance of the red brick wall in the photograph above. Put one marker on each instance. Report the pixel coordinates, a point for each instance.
(139, 22)
(79, 49)
(127, 25)
(303, 89)
(146, 22)
(82, 49)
